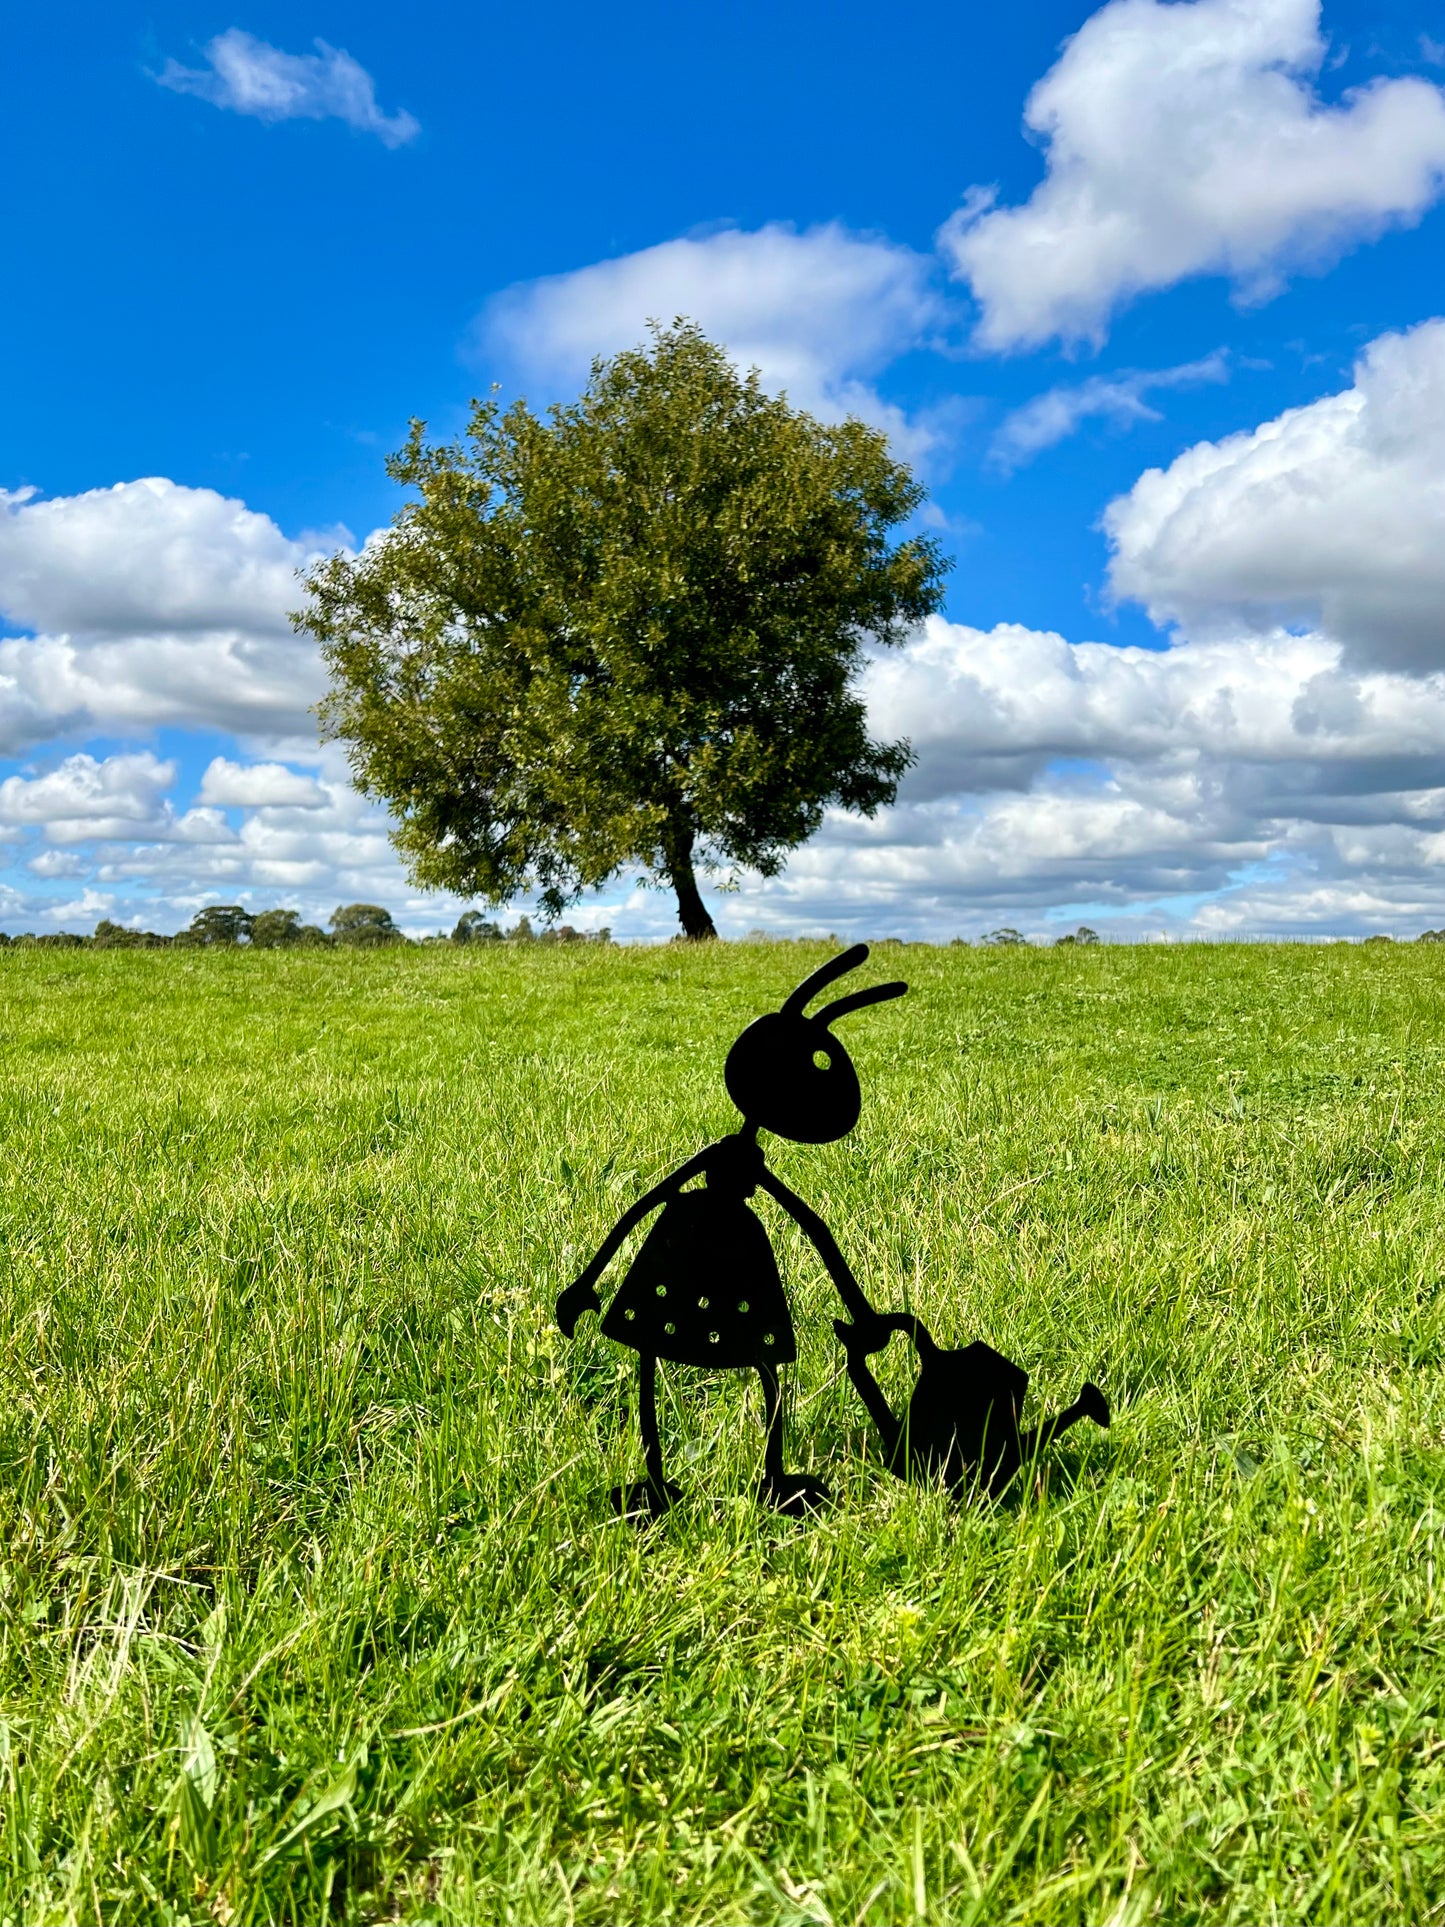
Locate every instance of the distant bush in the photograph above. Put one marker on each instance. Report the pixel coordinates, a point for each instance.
(364, 926)
(284, 930)
(1082, 935)
(219, 923)
(473, 927)
(997, 939)
(115, 936)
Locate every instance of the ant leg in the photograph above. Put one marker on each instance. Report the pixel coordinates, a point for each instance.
(650, 1497)
(791, 1492)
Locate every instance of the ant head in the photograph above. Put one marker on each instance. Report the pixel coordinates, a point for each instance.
(789, 1074)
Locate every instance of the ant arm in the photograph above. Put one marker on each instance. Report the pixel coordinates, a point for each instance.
(868, 1388)
(865, 1318)
(582, 1294)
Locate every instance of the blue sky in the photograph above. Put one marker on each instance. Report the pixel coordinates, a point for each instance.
(244, 248)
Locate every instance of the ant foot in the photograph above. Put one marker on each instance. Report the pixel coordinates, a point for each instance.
(795, 1494)
(1094, 1405)
(644, 1500)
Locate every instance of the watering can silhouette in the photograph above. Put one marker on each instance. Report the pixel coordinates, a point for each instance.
(962, 1419)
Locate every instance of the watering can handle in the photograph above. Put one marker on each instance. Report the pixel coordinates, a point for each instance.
(871, 1333)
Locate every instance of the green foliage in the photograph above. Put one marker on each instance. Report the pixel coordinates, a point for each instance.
(115, 936)
(310, 1607)
(1003, 937)
(219, 923)
(473, 927)
(1082, 935)
(624, 637)
(363, 926)
(283, 929)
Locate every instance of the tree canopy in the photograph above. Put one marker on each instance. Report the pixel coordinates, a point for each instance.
(364, 925)
(625, 636)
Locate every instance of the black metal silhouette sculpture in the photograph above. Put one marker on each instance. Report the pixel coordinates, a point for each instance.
(704, 1288)
(962, 1421)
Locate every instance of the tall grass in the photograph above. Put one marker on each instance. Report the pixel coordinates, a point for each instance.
(310, 1605)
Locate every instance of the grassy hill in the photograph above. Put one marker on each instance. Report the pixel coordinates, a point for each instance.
(309, 1601)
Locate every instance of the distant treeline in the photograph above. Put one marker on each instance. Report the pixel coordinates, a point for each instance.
(358, 926)
(365, 926)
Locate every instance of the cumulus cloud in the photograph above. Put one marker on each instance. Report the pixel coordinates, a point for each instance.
(1184, 782)
(1185, 139)
(820, 312)
(1331, 515)
(259, 786)
(85, 799)
(119, 827)
(249, 76)
(1249, 776)
(994, 710)
(153, 604)
(1117, 399)
(1254, 782)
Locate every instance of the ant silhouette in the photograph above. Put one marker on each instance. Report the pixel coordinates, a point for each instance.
(704, 1288)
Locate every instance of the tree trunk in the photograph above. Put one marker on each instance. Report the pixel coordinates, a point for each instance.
(692, 912)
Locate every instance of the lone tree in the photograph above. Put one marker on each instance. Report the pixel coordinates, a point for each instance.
(364, 925)
(625, 636)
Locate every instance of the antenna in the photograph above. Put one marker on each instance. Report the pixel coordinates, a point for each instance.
(826, 974)
(858, 1000)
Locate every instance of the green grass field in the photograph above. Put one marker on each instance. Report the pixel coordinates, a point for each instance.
(310, 1605)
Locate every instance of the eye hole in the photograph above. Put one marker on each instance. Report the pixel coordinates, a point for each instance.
(821, 1059)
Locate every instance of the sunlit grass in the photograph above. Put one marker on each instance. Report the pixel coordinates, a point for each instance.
(310, 1599)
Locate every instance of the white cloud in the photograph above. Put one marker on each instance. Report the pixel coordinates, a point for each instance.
(59, 863)
(249, 76)
(1183, 782)
(85, 799)
(1185, 139)
(259, 786)
(1259, 771)
(118, 826)
(156, 604)
(1332, 515)
(818, 312)
(143, 555)
(1119, 399)
(992, 710)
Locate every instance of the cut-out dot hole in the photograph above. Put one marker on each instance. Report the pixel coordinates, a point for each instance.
(662, 1291)
(670, 1329)
(820, 1060)
(702, 1304)
(712, 1338)
(629, 1313)
(743, 1305)
(769, 1338)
